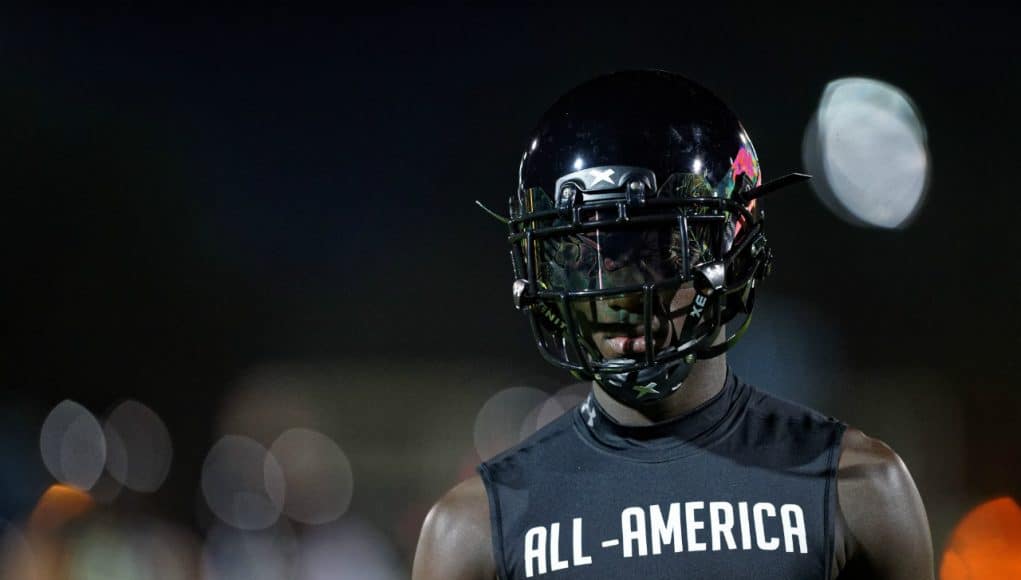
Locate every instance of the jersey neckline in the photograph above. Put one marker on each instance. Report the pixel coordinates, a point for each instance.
(673, 438)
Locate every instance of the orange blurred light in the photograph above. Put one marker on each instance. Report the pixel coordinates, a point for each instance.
(57, 506)
(986, 544)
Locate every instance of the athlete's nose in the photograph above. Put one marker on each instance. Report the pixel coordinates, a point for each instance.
(627, 308)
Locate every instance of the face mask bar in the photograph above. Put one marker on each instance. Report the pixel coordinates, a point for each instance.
(553, 306)
(553, 321)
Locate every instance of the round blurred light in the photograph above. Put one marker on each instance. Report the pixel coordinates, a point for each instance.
(866, 147)
(140, 450)
(503, 418)
(986, 543)
(72, 445)
(564, 399)
(316, 473)
(231, 554)
(243, 483)
(59, 505)
(540, 416)
(347, 550)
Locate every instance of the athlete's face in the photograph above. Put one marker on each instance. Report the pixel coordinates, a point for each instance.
(615, 326)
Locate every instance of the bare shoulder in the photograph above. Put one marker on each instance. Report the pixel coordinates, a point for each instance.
(455, 542)
(886, 529)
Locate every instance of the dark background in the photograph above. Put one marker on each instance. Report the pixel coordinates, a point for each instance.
(189, 196)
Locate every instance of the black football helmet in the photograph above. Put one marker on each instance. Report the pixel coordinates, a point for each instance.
(635, 234)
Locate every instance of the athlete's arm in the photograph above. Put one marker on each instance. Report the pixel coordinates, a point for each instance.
(884, 532)
(455, 543)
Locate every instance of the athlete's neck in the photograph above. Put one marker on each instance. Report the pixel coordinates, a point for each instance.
(706, 379)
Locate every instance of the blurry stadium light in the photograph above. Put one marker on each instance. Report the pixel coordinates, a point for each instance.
(317, 476)
(231, 554)
(866, 147)
(243, 483)
(139, 447)
(73, 446)
(505, 418)
(561, 401)
(985, 544)
(59, 505)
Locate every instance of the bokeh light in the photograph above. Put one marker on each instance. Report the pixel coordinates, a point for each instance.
(232, 554)
(72, 445)
(502, 420)
(316, 473)
(986, 544)
(561, 401)
(866, 146)
(59, 505)
(243, 483)
(539, 416)
(139, 447)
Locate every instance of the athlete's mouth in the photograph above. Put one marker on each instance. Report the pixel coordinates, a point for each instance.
(625, 345)
(628, 344)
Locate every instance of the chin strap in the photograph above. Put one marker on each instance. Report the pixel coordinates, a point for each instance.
(718, 349)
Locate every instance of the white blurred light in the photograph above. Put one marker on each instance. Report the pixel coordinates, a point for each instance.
(140, 449)
(231, 554)
(347, 550)
(317, 476)
(696, 165)
(500, 422)
(535, 143)
(866, 147)
(578, 163)
(243, 483)
(72, 445)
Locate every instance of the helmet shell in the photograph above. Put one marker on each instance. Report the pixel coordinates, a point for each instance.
(652, 119)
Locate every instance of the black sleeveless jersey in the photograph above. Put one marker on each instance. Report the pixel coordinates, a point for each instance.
(741, 487)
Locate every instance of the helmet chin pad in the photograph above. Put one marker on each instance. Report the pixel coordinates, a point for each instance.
(645, 386)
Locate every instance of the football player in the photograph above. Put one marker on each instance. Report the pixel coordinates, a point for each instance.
(637, 237)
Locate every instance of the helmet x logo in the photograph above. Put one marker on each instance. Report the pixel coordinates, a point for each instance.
(601, 176)
(646, 390)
